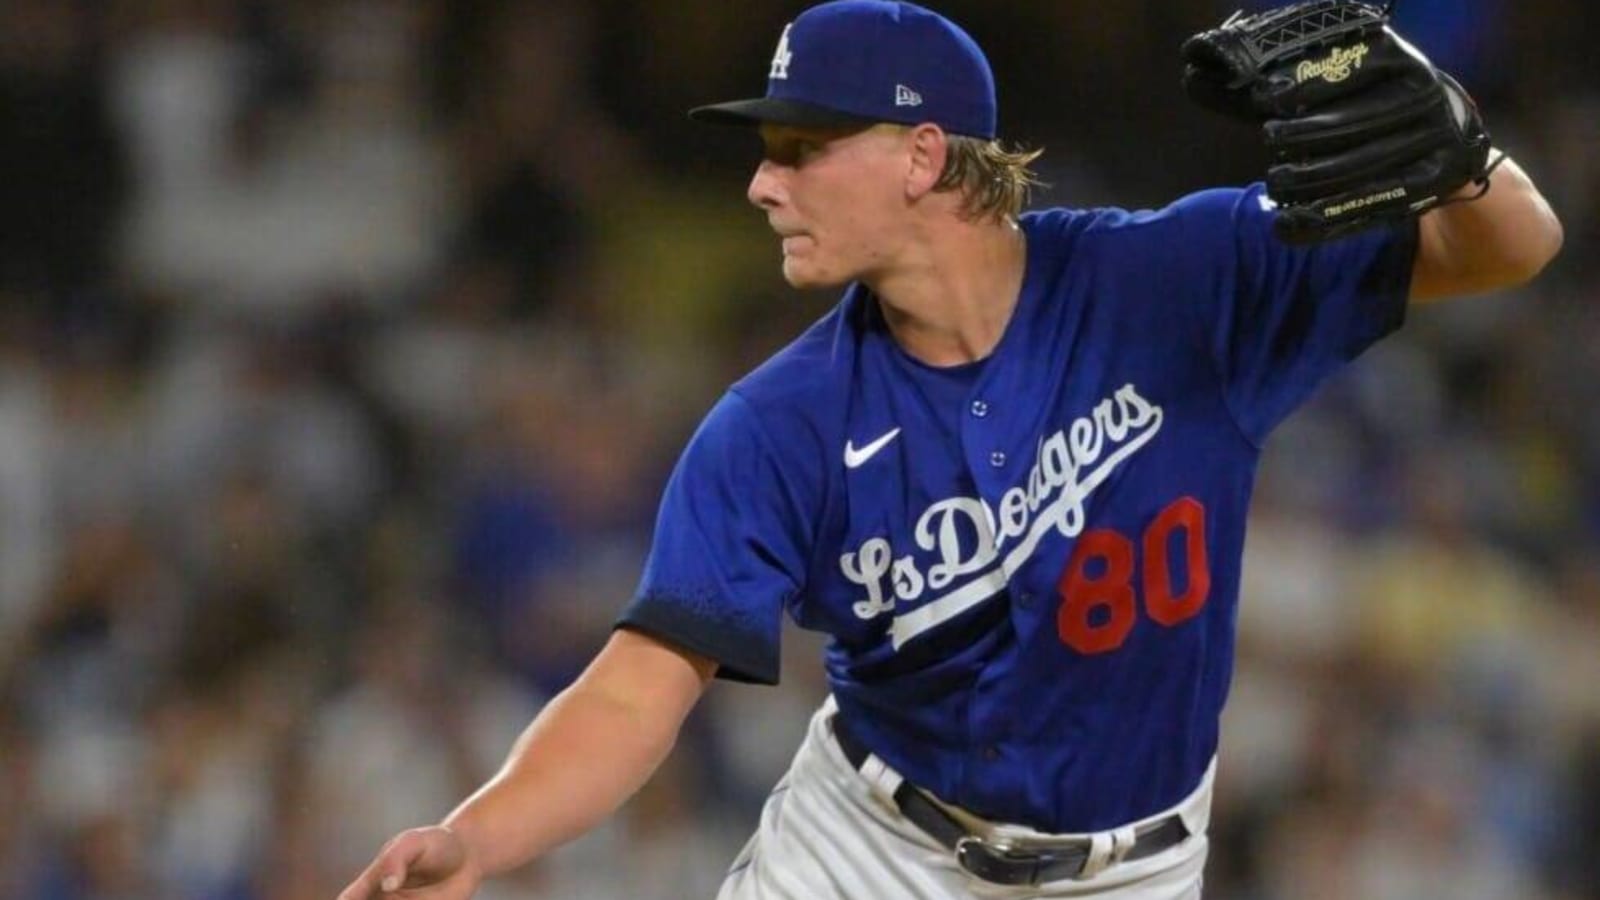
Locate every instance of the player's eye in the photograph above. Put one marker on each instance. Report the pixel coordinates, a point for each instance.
(792, 152)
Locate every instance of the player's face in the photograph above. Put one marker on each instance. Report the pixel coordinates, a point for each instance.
(835, 197)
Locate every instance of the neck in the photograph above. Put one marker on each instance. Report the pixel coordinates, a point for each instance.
(950, 301)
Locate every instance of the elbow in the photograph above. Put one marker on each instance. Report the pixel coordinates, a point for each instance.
(1541, 250)
(1546, 249)
(1555, 236)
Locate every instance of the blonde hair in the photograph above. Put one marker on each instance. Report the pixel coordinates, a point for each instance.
(994, 181)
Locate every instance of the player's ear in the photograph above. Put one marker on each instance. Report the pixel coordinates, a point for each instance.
(929, 149)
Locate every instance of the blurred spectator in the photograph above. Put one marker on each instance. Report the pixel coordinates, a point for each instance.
(419, 727)
(555, 507)
(266, 207)
(65, 169)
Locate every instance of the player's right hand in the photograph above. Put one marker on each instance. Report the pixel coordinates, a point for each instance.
(431, 863)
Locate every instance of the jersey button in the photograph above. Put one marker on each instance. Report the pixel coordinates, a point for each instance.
(1024, 599)
(991, 753)
(980, 408)
(997, 459)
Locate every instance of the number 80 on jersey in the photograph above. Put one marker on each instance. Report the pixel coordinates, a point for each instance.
(1098, 603)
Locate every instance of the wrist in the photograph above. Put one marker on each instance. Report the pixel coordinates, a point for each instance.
(468, 840)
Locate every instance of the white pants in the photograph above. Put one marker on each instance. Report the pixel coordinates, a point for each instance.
(825, 835)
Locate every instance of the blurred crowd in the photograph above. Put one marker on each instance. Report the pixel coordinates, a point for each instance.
(345, 346)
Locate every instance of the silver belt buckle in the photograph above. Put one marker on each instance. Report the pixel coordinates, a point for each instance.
(998, 862)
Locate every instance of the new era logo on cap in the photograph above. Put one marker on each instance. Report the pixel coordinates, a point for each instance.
(855, 61)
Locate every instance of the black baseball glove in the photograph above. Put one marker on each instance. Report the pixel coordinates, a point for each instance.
(1363, 130)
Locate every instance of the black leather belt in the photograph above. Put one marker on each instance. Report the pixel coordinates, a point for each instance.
(993, 861)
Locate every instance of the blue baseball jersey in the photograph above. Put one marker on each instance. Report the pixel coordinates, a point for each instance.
(1028, 565)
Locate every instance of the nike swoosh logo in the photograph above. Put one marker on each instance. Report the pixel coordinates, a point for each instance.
(854, 457)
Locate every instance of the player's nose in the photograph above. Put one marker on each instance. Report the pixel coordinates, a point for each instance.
(766, 187)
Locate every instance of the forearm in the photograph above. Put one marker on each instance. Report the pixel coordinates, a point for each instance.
(586, 753)
(1502, 239)
(574, 765)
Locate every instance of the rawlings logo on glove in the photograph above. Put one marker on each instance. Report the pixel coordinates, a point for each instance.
(1362, 128)
(1335, 68)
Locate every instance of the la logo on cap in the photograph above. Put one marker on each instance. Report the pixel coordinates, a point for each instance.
(849, 62)
(780, 59)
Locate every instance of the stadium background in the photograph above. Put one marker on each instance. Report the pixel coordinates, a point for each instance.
(345, 345)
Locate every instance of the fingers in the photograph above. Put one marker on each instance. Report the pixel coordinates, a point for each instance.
(365, 887)
(388, 872)
(398, 861)
(369, 885)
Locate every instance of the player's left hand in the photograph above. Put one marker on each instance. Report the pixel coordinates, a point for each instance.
(1362, 128)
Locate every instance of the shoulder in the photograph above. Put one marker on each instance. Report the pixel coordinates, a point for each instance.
(809, 375)
(768, 436)
(1062, 227)
(1193, 233)
(792, 407)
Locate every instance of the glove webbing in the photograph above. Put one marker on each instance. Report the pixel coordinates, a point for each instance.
(1328, 21)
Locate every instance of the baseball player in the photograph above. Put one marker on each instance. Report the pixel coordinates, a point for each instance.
(1008, 473)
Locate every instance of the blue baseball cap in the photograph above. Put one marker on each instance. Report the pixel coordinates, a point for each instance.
(856, 62)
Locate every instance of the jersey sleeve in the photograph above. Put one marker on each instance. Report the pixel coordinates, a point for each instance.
(1279, 319)
(730, 548)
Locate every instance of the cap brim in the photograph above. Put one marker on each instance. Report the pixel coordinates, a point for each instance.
(771, 110)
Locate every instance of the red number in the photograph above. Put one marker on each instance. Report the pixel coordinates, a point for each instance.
(1162, 606)
(1081, 595)
(1111, 592)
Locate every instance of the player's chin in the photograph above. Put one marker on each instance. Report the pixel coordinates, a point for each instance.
(805, 274)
